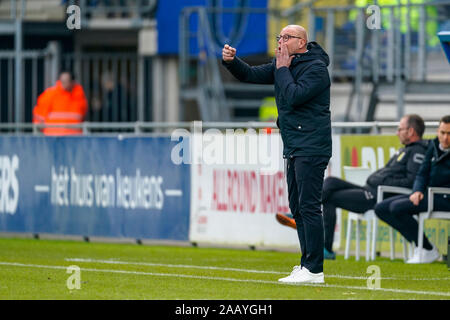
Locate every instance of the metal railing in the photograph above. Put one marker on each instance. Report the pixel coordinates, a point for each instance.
(142, 128)
(14, 27)
(125, 9)
(18, 92)
(114, 83)
(110, 82)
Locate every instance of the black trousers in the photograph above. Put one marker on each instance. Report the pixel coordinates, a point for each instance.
(338, 193)
(305, 181)
(398, 212)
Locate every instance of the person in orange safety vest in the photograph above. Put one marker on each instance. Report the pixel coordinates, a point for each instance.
(64, 103)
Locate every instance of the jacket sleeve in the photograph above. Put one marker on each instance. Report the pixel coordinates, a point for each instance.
(80, 100)
(311, 83)
(262, 74)
(42, 108)
(423, 176)
(377, 178)
(412, 166)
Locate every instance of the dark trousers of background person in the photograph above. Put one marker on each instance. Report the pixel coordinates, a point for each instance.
(398, 212)
(305, 180)
(338, 193)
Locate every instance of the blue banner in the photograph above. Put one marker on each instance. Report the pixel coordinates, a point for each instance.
(444, 36)
(93, 186)
(244, 30)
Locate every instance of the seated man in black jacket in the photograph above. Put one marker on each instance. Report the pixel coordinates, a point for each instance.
(400, 171)
(434, 172)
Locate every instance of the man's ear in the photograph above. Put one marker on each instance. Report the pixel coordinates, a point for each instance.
(302, 42)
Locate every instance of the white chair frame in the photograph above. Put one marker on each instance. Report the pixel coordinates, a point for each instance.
(380, 197)
(358, 176)
(431, 214)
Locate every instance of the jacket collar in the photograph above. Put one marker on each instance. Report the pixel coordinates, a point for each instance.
(435, 143)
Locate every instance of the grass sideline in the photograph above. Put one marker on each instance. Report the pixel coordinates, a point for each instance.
(37, 269)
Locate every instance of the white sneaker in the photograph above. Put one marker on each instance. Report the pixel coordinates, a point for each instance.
(304, 276)
(295, 270)
(428, 256)
(415, 255)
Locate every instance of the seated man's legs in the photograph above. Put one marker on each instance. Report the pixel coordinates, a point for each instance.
(398, 212)
(338, 193)
(333, 184)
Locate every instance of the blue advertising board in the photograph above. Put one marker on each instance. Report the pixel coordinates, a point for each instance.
(245, 31)
(93, 186)
(444, 37)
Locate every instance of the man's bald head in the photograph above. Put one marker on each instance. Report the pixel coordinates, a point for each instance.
(297, 30)
(297, 41)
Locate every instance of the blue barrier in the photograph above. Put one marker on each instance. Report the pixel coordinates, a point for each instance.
(444, 37)
(93, 186)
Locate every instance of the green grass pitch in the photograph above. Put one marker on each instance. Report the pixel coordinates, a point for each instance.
(37, 269)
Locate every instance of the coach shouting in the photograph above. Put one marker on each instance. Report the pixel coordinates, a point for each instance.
(302, 91)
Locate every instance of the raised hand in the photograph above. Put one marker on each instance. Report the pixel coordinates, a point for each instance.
(283, 58)
(228, 53)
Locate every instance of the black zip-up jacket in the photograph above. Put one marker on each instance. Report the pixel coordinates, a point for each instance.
(302, 94)
(435, 170)
(401, 169)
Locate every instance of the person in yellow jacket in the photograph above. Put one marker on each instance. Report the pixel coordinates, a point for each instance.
(64, 103)
(268, 111)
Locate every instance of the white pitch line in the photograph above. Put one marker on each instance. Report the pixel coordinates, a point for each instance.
(428, 293)
(38, 188)
(151, 264)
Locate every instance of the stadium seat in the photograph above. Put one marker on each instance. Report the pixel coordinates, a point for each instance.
(359, 175)
(431, 214)
(380, 197)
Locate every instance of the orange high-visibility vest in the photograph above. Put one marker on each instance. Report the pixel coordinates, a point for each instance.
(58, 106)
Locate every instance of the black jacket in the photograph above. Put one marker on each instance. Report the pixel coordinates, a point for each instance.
(401, 169)
(435, 170)
(302, 93)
